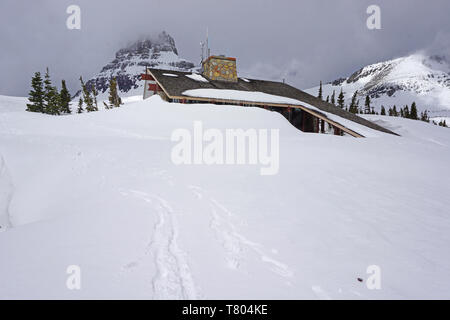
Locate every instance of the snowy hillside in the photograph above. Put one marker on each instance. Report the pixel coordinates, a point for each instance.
(130, 62)
(418, 77)
(100, 191)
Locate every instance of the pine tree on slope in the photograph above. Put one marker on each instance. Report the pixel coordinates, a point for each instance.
(94, 95)
(341, 100)
(320, 95)
(36, 95)
(54, 107)
(51, 96)
(80, 106)
(354, 103)
(87, 97)
(114, 99)
(413, 112)
(394, 111)
(65, 98)
(367, 105)
(406, 112)
(424, 116)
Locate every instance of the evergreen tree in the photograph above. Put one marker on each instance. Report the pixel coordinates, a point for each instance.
(413, 112)
(114, 99)
(65, 98)
(87, 97)
(333, 100)
(328, 99)
(354, 103)
(424, 116)
(402, 113)
(406, 112)
(394, 111)
(341, 100)
(47, 87)
(320, 92)
(94, 95)
(80, 106)
(367, 105)
(36, 95)
(383, 111)
(56, 103)
(442, 123)
(51, 96)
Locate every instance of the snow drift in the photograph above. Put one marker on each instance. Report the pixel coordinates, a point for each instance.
(99, 191)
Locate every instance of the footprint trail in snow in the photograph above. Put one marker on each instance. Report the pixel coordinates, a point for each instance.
(224, 223)
(173, 279)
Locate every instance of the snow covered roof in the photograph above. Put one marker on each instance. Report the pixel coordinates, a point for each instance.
(196, 77)
(184, 87)
(239, 95)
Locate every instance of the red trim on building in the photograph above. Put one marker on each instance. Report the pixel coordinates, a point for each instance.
(146, 77)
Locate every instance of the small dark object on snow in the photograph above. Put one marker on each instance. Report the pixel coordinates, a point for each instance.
(360, 280)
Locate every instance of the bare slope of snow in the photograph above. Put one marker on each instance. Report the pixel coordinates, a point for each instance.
(99, 191)
(418, 77)
(6, 191)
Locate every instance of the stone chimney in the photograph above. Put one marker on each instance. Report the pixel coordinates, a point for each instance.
(220, 68)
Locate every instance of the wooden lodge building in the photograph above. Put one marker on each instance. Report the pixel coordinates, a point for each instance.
(304, 111)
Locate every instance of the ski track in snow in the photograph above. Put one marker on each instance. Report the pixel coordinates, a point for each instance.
(234, 243)
(6, 193)
(173, 279)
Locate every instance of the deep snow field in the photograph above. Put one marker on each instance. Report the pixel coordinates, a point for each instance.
(100, 191)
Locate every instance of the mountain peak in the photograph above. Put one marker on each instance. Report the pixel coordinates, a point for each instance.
(158, 51)
(418, 77)
(150, 44)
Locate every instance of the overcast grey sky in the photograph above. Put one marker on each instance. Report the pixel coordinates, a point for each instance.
(304, 41)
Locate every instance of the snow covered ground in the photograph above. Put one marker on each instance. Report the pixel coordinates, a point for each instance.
(99, 191)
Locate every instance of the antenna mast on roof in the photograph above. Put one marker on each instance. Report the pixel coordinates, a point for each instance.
(202, 46)
(208, 51)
